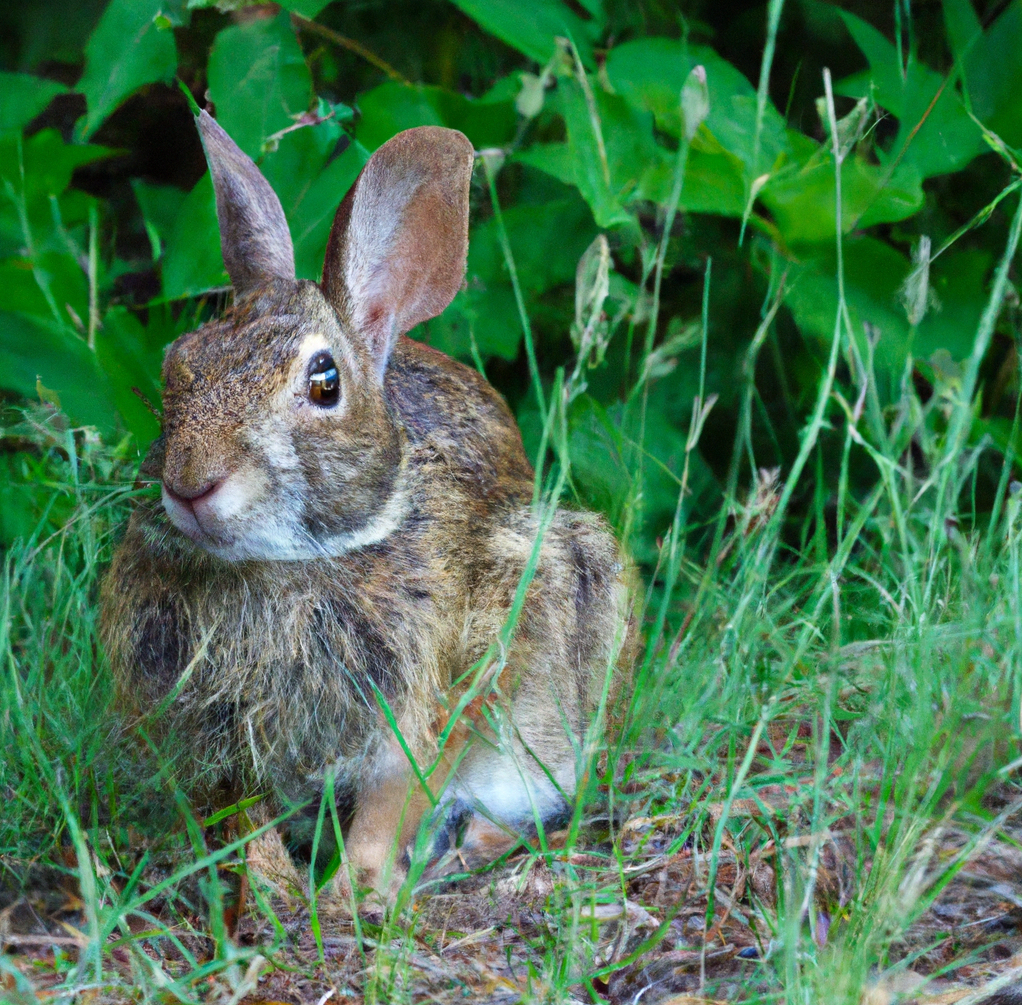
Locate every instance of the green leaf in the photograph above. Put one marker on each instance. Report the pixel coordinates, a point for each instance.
(192, 262)
(126, 51)
(297, 159)
(963, 27)
(607, 157)
(121, 352)
(801, 196)
(48, 162)
(258, 80)
(32, 173)
(874, 273)
(534, 32)
(62, 275)
(958, 280)
(651, 72)
(311, 217)
(32, 349)
(600, 472)
(161, 206)
(946, 138)
(991, 65)
(391, 107)
(23, 97)
(714, 179)
(636, 168)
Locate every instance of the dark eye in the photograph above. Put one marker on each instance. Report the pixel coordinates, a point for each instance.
(324, 383)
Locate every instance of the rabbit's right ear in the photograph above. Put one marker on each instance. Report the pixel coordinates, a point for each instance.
(396, 254)
(254, 238)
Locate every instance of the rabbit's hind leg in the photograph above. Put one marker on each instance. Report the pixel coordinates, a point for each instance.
(502, 793)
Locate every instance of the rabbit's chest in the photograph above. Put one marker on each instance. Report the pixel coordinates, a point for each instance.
(280, 666)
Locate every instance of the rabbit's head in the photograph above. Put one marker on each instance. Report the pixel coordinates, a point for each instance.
(277, 439)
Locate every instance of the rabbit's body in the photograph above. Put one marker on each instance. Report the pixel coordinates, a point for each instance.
(335, 571)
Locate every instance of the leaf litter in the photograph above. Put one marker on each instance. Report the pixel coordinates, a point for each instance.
(635, 902)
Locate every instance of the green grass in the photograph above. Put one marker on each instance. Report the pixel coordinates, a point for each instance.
(820, 742)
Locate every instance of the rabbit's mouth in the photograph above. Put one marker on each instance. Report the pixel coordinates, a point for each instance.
(195, 515)
(221, 515)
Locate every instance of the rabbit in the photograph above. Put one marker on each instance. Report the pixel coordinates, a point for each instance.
(344, 519)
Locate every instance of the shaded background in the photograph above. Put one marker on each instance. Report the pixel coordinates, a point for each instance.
(108, 245)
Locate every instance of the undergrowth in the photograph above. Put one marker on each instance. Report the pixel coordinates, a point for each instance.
(821, 734)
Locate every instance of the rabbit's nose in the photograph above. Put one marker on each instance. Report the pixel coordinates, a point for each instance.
(190, 494)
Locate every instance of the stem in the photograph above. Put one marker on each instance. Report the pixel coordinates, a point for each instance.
(93, 274)
(315, 28)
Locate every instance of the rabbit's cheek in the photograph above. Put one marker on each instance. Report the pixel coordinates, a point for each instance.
(234, 498)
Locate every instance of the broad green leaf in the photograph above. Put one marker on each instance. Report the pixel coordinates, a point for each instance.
(607, 158)
(23, 97)
(651, 72)
(192, 262)
(56, 271)
(161, 206)
(122, 353)
(258, 80)
(599, 439)
(874, 273)
(963, 27)
(991, 65)
(46, 163)
(33, 172)
(174, 14)
(126, 51)
(297, 160)
(636, 167)
(932, 140)
(391, 107)
(311, 217)
(958, 280)
(32, 349)
(600, 473)
(714, 179)
(801, 196)
(533, 30)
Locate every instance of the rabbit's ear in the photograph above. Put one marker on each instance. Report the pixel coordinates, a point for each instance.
(253, 231)
(396, 254)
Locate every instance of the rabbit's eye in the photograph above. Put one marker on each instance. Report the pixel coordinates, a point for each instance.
(324, 383)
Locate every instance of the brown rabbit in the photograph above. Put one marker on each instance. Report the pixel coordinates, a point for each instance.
(345, 518)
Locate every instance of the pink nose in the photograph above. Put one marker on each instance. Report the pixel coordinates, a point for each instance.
(188, 495)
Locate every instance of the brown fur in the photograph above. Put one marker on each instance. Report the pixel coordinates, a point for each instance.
(410, 506)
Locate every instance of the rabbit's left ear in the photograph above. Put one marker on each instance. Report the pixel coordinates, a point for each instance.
(254, 238)
(396, 254)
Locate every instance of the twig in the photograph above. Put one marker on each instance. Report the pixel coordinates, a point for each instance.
(42, 940)
(315, 28)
